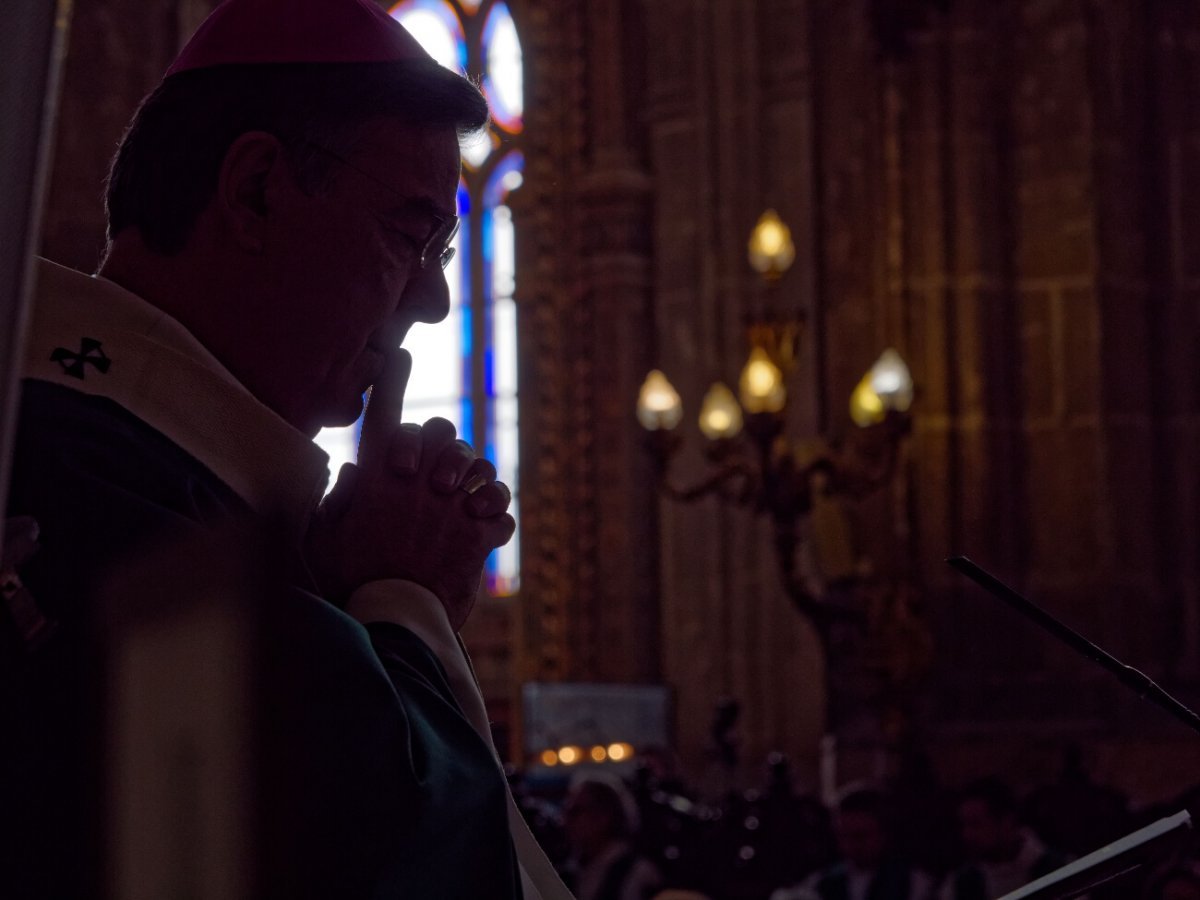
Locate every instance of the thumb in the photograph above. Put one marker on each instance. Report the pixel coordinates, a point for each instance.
(385, 406)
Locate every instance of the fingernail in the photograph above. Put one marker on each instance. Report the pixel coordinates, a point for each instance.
(477, 504)
(445, 478)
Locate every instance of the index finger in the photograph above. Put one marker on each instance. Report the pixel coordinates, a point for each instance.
(385, 406)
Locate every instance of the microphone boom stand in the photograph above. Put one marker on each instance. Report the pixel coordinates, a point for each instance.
(1137, 681)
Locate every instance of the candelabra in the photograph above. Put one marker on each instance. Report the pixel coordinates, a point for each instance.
(753, 463)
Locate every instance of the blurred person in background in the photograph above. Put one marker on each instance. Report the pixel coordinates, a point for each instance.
(600, 818)
(1002, 854)
(869, 869)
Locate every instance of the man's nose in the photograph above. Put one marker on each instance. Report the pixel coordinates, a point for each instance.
(428, 294)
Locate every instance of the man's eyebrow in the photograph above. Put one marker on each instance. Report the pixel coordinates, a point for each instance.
(425, 205)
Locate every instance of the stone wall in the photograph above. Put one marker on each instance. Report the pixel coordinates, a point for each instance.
(1050, 309)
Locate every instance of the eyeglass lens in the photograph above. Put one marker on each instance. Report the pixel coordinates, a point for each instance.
(438, 246)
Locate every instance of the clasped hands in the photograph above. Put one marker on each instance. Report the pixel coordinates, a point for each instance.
(419, 505)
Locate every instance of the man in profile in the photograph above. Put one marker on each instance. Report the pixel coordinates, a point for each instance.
(280, 213)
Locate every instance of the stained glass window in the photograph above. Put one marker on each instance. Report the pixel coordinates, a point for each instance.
(465, 368)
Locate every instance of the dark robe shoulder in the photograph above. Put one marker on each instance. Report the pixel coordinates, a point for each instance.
(371, 782)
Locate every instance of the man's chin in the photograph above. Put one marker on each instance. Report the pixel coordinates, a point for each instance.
(343, 414)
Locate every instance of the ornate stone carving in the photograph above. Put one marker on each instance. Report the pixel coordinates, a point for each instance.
(547, 268)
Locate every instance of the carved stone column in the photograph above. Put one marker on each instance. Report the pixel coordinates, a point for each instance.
(553, 456)
(616, 633)
(615, 637)
(589, 604)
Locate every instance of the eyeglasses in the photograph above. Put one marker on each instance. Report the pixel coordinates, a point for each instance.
(437, 245)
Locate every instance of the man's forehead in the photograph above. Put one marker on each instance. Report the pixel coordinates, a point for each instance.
(420, 161)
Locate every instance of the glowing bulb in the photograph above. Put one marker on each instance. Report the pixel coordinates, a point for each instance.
(884, 383)
(891, 380)
(658, 406)
(598, 754)
(866, 407)
(761, 384)
(720, 415)
(568, 756)
(549, 758)
(771, 251)
(619, 752)
(771, 238)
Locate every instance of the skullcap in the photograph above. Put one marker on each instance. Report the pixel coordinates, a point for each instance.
(240, 32)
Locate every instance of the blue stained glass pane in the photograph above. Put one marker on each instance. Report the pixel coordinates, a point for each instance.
(466, 344)
(468, 422)
(487, 269)
(489, 446)
(464, 242)
(464, 200)
(486, 236)
(503, 566)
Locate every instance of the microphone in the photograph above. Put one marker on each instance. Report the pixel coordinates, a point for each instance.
(1137, 681)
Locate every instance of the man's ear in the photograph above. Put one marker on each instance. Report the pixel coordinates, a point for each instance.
(242, 187)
